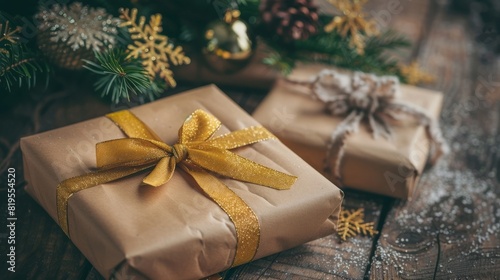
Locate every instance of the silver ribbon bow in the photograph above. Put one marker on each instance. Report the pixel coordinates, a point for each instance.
(363, 96)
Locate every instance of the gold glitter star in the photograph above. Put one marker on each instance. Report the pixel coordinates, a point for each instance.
(352, 23)
(414, 75)
(351, 223)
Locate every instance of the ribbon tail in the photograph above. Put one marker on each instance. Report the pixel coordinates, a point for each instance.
(241, 138)
(376, 131)
(162, 172)
(73, 185)
(380, 126)
(393, 115)
(229, 164)
(335, 146)
(243, 217)
(440, 147)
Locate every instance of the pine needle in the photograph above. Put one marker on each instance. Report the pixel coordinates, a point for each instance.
(332, 49)
(120, 77)
(20, 67)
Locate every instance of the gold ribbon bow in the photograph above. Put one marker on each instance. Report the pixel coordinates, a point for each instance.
(198, 154)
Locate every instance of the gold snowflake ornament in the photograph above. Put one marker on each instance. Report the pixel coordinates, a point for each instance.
(352, 23)
(155, 49)
(9, 35)
(351, 223)
(414, 74)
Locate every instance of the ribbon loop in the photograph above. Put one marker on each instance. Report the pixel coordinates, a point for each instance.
(199, 126)
(128, 151)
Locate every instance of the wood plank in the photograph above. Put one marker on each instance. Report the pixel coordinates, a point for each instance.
(325, 258)
(451, 227)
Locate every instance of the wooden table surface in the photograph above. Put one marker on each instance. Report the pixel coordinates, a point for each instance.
(450, 229)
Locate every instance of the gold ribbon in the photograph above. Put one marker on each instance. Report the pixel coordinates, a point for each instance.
(198, 154)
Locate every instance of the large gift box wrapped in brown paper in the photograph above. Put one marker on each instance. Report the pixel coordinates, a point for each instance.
(174, 231)
(384, 165)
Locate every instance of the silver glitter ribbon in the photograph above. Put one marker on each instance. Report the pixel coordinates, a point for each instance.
(363, 96)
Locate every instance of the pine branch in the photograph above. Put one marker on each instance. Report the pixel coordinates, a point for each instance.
(284, 65)
(333, 49)
(19, 65)
(120, 77)
(388, 40)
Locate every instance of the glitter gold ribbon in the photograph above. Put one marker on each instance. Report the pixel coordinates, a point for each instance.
(198, 154)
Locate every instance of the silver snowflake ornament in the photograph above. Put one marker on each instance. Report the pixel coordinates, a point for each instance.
(79, 26)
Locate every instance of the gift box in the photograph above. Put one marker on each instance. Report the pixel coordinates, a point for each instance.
(389, 166)
(175, 230)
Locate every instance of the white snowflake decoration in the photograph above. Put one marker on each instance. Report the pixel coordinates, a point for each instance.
(79, 26)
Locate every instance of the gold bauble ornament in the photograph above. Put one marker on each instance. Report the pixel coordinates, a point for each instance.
(228, 44)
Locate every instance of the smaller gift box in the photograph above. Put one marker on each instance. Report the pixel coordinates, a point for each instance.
(236, 195)
(389, 164)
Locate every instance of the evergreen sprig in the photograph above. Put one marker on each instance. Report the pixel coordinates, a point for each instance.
(333, 49)
(120, 77)
(283, 64)
(20, 66)
(329, 48)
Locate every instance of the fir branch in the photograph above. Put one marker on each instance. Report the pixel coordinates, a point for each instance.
(388, 40)
(333, 49)
(120, 77)
(19, 65)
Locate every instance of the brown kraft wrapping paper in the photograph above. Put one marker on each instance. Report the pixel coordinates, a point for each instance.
(388, 167)
(174, 231)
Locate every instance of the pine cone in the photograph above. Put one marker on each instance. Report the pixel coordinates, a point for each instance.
(290, 19)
